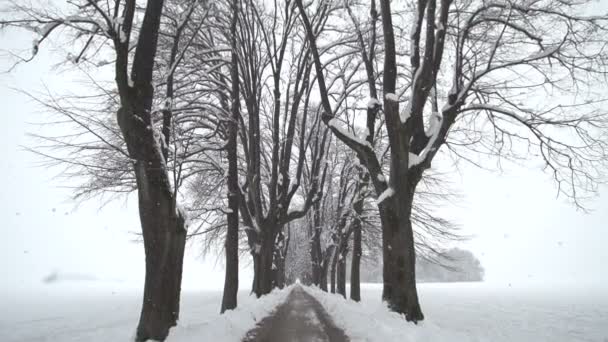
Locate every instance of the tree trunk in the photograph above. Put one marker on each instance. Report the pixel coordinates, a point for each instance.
(397, 235)
(400, 257)
(263, 261)
(341, 282)
(334, 263)
(280, 272)
(355, 286)
(231, 281)
(324, 271)
(163, 225)
(315, 249)
(280, 253)
(164, 243)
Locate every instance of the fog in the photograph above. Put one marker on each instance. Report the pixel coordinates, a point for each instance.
(519, 229)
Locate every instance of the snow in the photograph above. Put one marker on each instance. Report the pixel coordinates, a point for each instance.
(387, 193)
(333, 123)
(122, 36)
(545, 53)
(117, 26)
(476, 312)
(415, 159)
(432, 133)
(392, 97)
(372, 103)
(46, 29)
(405, 113)
(364, 134)
(101, 315)
(434, 125)
(463, 312)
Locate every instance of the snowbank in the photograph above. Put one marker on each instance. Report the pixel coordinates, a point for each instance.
(86, 313)
(371, 321)
(232, 325)
(466, 312)
(455, 312)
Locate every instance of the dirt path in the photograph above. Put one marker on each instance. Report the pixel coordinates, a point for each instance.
(300, 319)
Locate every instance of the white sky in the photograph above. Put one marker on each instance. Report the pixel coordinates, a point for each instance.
(521, 232)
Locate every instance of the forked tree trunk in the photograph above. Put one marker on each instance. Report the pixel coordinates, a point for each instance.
(397, 235)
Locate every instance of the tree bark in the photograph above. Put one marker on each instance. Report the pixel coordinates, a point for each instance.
(164, 242)
(315, 248)
(163, 225)
(405, 139)
(355, 281)
(325, 271)
(231, 281)
(334, 264)
(400, 260)
(355, 286)
(341, 274)
(398, 237)
(263, 261)
(280, 253)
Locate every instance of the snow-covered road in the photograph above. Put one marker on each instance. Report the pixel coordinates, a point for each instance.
(300, 319)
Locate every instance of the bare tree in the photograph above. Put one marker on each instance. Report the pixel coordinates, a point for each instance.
(231, 283)
(503, 53)
(282, 131)
(145, 143)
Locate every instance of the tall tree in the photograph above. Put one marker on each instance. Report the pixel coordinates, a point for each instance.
(163, 222)
(282, 129)
(231, 283)
(494, 43)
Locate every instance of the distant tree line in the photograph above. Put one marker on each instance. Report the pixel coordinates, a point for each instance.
(452, 265)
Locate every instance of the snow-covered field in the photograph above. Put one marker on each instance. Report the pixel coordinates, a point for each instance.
(454, 312)
(99, 314)
(478, 312)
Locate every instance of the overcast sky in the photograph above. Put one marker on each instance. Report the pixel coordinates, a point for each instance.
(520, 231)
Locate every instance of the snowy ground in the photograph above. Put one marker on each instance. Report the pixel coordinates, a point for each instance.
(478, 312)
(87, 313)
(454, 312)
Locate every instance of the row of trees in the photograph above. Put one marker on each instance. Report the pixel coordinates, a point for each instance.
(452, 265)
(271, 120)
